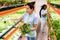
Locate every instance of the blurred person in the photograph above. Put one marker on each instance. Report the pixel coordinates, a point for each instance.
(29, 17)
(44, 28)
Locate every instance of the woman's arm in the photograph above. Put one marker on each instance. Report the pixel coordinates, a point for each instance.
(35, 24)
(44, 14)
(35, 27)
(16, 18)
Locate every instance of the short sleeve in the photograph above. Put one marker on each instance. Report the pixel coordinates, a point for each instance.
(44, 12)
(36, 20)
(23, 16)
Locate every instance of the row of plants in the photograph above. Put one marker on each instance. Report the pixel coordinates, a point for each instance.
(24, 29)
(5, 21)
(56, 3)
(55, 19)
(10, 2)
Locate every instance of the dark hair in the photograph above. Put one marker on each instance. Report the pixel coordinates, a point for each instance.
(42, 7)
(31, 5)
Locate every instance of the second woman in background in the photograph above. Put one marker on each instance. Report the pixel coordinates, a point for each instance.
(44, 28)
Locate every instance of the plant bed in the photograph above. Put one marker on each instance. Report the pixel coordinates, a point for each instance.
(55, 18)
(55, 3)
(10, 7)
(7, 23)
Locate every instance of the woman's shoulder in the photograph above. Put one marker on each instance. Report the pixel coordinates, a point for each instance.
(43, 11)
(25, 14)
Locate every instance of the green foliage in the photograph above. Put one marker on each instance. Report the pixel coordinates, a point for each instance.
(25, 28)
(5, 21)
(21, 11)
(56, 24)
(12, 2)
(55, 1)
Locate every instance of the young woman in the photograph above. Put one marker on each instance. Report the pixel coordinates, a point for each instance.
(30, 17)
(44, 28)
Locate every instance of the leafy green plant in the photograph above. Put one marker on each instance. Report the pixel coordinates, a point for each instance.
(56, 24)
(25, 28)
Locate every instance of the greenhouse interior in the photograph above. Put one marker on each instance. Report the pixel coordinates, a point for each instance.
(10, 10)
